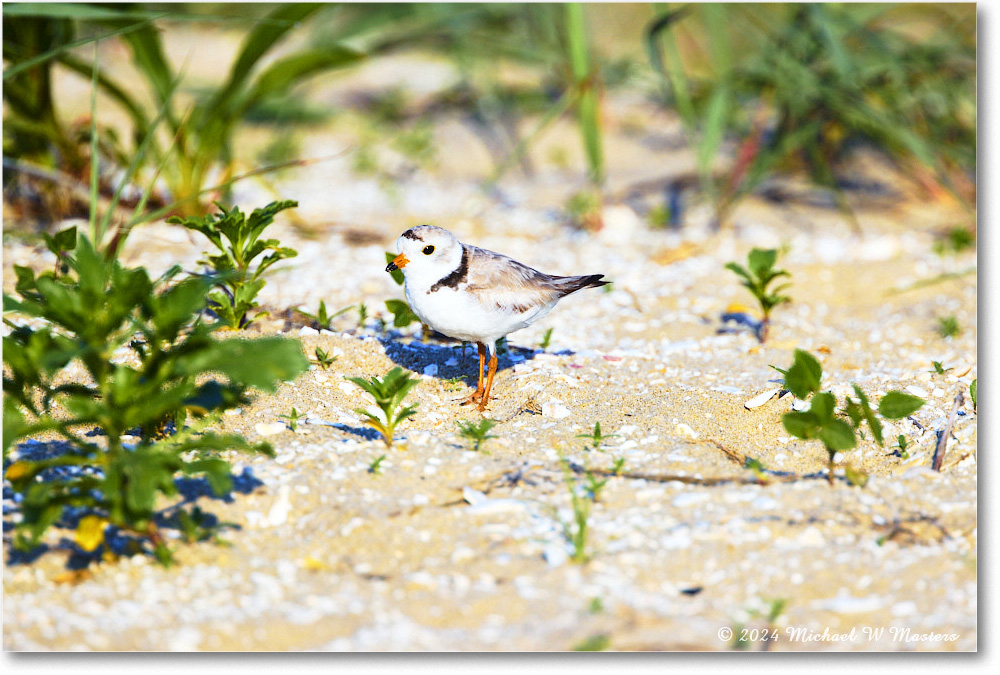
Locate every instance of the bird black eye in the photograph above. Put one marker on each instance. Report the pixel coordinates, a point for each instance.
(428, 250)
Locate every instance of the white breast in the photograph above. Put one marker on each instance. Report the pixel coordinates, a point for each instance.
(460, 315)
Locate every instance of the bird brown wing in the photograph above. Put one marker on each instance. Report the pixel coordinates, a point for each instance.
(515, 287)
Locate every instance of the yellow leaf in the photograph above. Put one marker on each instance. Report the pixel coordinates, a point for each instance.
(90, 532)
(17, 470)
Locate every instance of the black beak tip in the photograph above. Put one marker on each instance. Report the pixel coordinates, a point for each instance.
(391, 267)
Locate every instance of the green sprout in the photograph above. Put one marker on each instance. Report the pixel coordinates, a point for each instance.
(948, 327)
(321, 319)
(596, 438)
(955, 240)
(821, 422)
(757, 276)
(938, 368)
(576, 533)
(902, 445)
(388, 393)
(293, 418)
(237, 238)
(546, 340)
(973, 390)
(618, 466)
(323, 358)
(593, 486)
(478, 433)
(375, 468)
(362, 314)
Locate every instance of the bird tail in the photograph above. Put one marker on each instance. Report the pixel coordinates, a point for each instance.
(569, 285)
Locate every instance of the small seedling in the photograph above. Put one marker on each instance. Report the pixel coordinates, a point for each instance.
(594, 486)
(938, 368)
(596, 605)
(454, 383)
(576, 534)
(618, 466)
(973, 391)
(237, 237)
(402, 315)
(478, 433)
(321, 319)
(375, 468)
(362, 315)
(323, 358)
(821, 422)
(757, 276)
(546, 340)
(596, 438)
(293, 418)
(388, 393)
(901, 445)
(948, 327)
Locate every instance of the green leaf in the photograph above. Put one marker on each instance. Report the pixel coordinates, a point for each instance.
(973, 390)
(402, 314)
(261, 363)
(869, 415)
(803, 377)
(396, 274)
(761, 261)
(896, 405)
(801, 424)
(838, 435)
(822, 406)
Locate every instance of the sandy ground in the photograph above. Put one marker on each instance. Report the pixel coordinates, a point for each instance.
(450, 549)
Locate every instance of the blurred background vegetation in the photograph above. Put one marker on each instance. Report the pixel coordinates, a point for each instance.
(760, 90)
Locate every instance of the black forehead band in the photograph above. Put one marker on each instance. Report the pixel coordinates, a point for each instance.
(410, 234)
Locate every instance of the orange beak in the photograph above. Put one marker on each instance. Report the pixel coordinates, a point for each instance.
(398, 263)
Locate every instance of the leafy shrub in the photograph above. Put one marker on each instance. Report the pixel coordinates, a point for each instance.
(756, 277)
(821, 421)
(388, 393)
(148, 357)
(242, 245)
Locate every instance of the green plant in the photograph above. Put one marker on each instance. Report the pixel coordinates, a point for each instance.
(149, 363)
(973, 390)
(237, 237)
(322, 319)
(585, 89)
(323, 358)
(801, 85)
(546, 340)
(388, 393)
(577, 531)
(948, 327)
(595, 643)
(293, 418)
(955, 240)
(596, 438)
(902, 444)
(756, 277)
(618, 466)
(375, 468)
(938, 368)
(821, 422)
(362, 314)
(584, 209)
(594, 486)
(476, 432)
(402, 315)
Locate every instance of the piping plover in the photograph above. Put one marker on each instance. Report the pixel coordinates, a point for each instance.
(472, 294)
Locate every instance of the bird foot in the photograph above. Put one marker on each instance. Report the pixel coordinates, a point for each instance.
(475, 397)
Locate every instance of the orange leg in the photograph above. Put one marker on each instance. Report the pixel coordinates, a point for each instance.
(489, 383)
(478, 394)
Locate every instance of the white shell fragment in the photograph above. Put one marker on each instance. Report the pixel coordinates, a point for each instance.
(760, 399)
(270, 428)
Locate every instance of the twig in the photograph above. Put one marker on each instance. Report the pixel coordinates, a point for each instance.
(942, 443)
